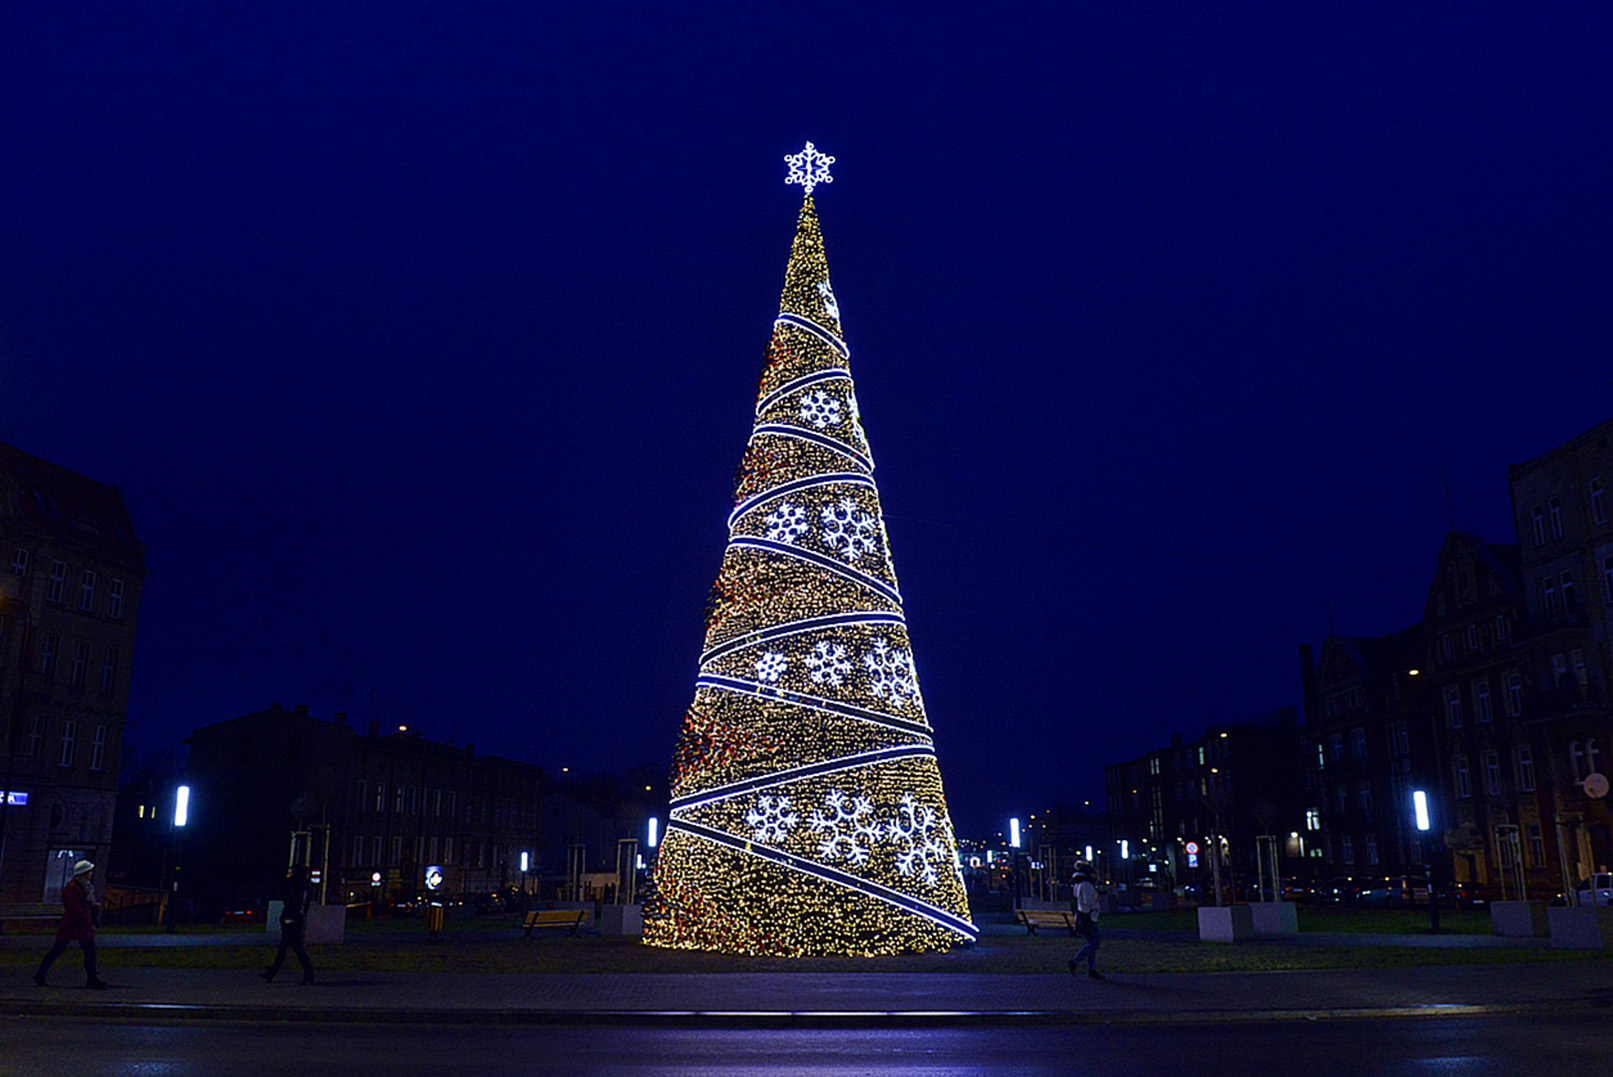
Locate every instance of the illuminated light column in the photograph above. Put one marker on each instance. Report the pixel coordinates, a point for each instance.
(807, 815)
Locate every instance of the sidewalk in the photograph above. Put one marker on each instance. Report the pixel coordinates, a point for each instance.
(814, 1000)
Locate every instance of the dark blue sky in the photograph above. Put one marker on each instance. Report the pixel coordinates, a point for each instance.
(422, 339)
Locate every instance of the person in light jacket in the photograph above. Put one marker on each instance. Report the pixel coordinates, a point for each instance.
(1085, 904)
(76, 925)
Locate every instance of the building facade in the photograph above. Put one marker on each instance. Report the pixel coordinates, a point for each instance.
(71, 571)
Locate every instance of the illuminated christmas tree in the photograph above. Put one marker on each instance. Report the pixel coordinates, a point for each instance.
(807, 815)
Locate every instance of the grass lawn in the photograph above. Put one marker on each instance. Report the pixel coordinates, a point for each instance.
(492, 946)
(1328, 919)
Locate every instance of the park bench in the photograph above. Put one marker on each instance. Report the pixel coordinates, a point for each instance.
(1035, 918)
(28, 911)
(570, 918)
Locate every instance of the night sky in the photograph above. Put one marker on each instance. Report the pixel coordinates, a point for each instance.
(422, 339)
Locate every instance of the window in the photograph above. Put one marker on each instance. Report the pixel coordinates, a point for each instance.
(397, 851)
(448, 850)
(1313, 819)
(1607, 577)
(431, 850)
(69, 743)
(114, 600)
(1341, 797)
(1481, 701)
(1548, 592)
(358, 850)
(47, 654)
(1372, 848)
(1445, 644)
(1201, 755)
(409, 800)
(1472, 638)
(1582, 676)
(1335, 747)
(1153, 766)
(1347, 849)
(1514, 694)
(1554, 513)
(363, 801)
(1538, 517)
(86, 591)
(81, 664)
(375, 850)
(58, 581)
(1500, 628)
(1463, 782)
(1566, 583)
(436, 802)
(1523, 766)
(109, 670)
(380, 802)
(1321, 756)
(98, 749)
(451, 797)
(1363, 796)
(1402, 738)
(1492, 773)
(19, 562)
(36, 737)
(1537, 847)
(1576, 757)
(1453, 707)
(1598, 508)
(1358, 743)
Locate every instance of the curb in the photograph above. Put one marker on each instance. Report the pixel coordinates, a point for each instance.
(178, 1013)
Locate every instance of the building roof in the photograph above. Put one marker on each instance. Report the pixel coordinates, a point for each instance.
(58, 500)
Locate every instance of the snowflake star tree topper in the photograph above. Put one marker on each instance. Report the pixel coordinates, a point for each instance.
(809, 168)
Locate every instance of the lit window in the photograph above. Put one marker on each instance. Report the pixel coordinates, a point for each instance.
(69, 743)
(1313, 819)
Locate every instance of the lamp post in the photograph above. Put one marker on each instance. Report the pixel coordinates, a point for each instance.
(1419, 812)
(180, 819)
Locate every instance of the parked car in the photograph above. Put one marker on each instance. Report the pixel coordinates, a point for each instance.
(1595, 889)
(1381, 893)
(1339, 891)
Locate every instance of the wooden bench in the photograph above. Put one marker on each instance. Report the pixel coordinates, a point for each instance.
(28, 911)
(1053, 918)
(569, 918)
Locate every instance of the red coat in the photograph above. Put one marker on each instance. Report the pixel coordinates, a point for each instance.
(76, 924)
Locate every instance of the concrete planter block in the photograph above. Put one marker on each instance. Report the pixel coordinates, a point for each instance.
(326, 923)
(1274, 917)
(1520, 919)
(621, 920)
(1225, 923)
(1581, 927)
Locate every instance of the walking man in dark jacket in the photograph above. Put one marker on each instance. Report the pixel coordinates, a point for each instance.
(76, 925)
(293, 924)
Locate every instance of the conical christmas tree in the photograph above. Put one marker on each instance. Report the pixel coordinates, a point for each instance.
(807, 815)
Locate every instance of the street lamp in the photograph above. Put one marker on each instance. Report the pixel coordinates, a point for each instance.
(1013, 832)
(181, 819)
(653, 837)
(1419, 813)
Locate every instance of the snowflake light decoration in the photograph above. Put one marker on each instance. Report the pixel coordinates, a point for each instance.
(845, 832)
(849, 531)
(916, 834)
(771, 820)
(809, 168)
(827, 293)
(771, 666)
(827, 663)
(890, 673)
(821, 409)
(786, 523)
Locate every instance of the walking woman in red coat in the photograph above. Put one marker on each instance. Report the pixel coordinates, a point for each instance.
(76, 925)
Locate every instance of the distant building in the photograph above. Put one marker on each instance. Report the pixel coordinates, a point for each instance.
(1237, 782)
(1563, 508)
(393, 804)
(71, 571)
(1368, 745)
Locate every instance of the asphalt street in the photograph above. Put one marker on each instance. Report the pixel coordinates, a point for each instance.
(1512, 1045)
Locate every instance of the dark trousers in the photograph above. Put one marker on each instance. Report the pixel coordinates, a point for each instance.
(1089, 951)
(60, 947)
(291, 939)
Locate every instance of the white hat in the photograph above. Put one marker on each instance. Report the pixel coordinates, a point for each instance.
(83, 867)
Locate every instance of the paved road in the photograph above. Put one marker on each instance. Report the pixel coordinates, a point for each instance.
(1503, 1045)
